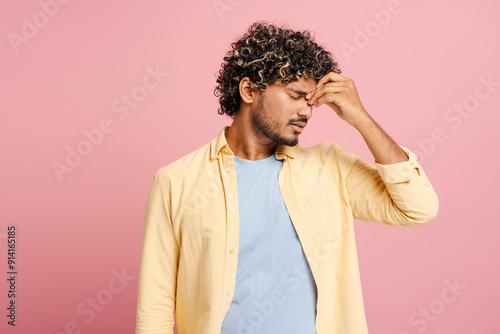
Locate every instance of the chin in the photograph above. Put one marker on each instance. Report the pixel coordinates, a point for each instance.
(291, 141)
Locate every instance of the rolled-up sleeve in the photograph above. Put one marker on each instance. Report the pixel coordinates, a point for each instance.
(158, 265)
(394, 194)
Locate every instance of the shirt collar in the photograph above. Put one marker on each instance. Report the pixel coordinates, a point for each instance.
(219, 143)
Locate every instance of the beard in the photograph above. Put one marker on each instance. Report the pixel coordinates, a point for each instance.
(268, 126)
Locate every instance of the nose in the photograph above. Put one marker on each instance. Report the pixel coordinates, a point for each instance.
(305, 110)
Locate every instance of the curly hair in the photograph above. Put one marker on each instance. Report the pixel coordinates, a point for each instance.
(267, 54)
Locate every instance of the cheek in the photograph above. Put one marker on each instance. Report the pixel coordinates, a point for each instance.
(280, 106)
(272, 107)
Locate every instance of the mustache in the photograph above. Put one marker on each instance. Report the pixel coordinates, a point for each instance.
(300, 120)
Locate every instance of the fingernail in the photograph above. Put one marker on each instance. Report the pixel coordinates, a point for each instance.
(308, 95)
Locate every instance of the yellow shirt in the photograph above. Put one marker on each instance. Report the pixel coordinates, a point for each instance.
(190, 234)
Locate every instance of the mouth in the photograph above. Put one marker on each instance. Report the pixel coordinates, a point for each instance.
(298, 126)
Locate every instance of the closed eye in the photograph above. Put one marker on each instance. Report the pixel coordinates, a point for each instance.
(295, 98)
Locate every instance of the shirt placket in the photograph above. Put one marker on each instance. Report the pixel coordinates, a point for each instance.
(229, 179)
(290, 199)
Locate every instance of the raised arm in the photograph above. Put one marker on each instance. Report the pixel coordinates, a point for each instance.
(396, 191)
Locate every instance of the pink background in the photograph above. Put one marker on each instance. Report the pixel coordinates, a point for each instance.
(409, 71)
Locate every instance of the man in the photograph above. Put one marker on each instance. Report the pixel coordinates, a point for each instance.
(252, 233)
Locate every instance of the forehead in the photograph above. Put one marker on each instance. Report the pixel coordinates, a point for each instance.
(304, 84)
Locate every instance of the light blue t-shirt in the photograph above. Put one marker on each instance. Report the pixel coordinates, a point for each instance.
(275, 291)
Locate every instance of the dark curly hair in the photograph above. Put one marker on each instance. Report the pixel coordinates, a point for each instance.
(267, 54)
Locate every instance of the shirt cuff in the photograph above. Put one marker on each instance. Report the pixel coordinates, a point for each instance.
(400, 171)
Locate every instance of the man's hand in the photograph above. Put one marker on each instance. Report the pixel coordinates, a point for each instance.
(340, 94)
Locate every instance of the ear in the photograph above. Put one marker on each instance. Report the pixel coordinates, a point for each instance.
(247, 90)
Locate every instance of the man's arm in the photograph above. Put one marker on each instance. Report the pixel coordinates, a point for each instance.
(340, 94)
(396, 191)
(384, 149)
(394, 194)
(158, 266)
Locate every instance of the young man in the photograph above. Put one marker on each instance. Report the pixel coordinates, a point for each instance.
(252, 233)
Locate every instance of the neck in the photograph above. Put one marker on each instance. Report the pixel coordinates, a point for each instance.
(245, 141)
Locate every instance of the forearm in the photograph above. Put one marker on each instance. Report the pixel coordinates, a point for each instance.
(384, 149)
(393, 194)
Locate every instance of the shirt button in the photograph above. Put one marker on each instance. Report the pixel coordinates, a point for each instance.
(231, 208)
(228, 171)
(228, 292)
(231, 250)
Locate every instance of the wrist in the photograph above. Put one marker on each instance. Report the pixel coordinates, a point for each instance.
(363, 122)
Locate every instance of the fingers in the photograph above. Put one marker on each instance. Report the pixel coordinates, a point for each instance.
(335, 98)
(329, 88)
(332, 87)
(332, 76)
